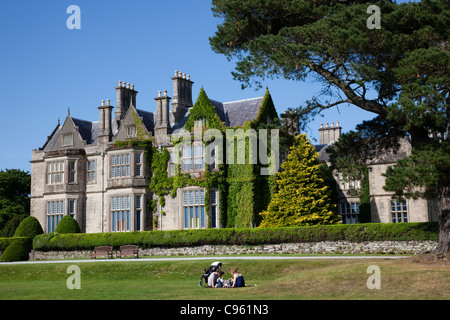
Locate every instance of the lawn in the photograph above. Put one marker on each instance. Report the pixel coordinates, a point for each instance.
(269, 279)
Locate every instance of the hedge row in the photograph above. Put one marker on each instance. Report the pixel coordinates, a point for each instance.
(5, 242)
(15, 248)
(239, 236)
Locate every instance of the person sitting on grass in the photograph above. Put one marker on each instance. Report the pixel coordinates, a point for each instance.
(212, 279)
(238, 279)
(220, 283)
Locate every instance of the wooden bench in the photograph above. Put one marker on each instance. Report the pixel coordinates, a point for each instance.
(129, 250)
(103, 251)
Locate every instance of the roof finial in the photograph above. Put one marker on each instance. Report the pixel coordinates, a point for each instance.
(59, 122)
(68, 111)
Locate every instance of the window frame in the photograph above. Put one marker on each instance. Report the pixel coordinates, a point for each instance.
(56, 172)
(193, 208)
(117, 168)
(91, 171)
(399, 211)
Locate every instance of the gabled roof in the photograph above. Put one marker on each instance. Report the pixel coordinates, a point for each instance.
(147, 119)
(51, 139)
(233, 113)
(220, 110)
(85, 129)
(238, 112)
(322, 151)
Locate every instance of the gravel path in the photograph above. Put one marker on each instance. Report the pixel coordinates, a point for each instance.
(212, 258)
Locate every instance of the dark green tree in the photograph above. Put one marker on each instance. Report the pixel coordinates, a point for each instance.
(399, 72)
(15, 188)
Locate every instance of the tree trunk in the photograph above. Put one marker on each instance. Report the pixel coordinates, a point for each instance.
(444, 225)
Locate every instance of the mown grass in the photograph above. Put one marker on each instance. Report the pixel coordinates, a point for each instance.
(274, 279)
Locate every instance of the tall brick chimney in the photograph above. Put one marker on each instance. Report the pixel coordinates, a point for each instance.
(182, 95)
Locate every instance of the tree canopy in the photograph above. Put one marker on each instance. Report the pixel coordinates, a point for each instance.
(15, 188)
(400, 72)
(330, 42)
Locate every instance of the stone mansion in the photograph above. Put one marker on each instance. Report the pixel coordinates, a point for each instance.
(81, 171)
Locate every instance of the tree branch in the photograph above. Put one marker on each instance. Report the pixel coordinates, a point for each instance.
(352, 97)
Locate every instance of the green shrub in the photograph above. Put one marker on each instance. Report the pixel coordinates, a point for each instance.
(18, 250)
(240, 236)
(29, 227)
(5, 242)
(68, 225)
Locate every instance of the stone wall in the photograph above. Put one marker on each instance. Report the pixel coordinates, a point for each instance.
(324, 247)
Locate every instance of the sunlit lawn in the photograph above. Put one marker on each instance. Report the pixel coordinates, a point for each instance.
(274, 279)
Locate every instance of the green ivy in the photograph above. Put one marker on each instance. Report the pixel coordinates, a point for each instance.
(243, 193)
(204, 110)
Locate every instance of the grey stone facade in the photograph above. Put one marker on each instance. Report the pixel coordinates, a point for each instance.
(382, 207)
(81, 172)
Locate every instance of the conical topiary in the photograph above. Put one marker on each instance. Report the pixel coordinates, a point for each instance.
(68, 225)
(29, 227)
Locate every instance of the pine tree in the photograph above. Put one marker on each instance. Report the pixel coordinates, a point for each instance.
(302, 197)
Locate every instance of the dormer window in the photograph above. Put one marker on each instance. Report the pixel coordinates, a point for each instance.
(68, 139)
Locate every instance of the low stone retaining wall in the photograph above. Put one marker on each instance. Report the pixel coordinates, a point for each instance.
(324, 247)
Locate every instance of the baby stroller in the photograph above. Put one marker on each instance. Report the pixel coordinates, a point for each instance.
(213, 268)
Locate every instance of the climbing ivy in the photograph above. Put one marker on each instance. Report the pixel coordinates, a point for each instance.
(204, 110)
(243, 192)
(249, 192)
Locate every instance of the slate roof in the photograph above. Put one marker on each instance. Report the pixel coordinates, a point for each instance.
(176, 127)
(322, 150)
(238, 112)
(220, 111)
(233, 113)
(51, 139)
(148, 119)
(85, 130)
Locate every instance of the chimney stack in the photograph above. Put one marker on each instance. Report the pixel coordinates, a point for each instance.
(182, 95)
(329, 134)
(162, 124)
(105, 132)
(126, 96)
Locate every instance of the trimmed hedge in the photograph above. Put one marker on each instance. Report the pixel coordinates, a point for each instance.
(18, 250)
(29, 227)
(68, 225)
(240, 236)
(5, 242)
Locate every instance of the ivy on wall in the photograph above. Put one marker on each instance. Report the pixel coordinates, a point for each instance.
(243, 192)
(249, 192)
(204, 110)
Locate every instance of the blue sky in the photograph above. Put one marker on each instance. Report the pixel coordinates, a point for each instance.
(46, 68)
